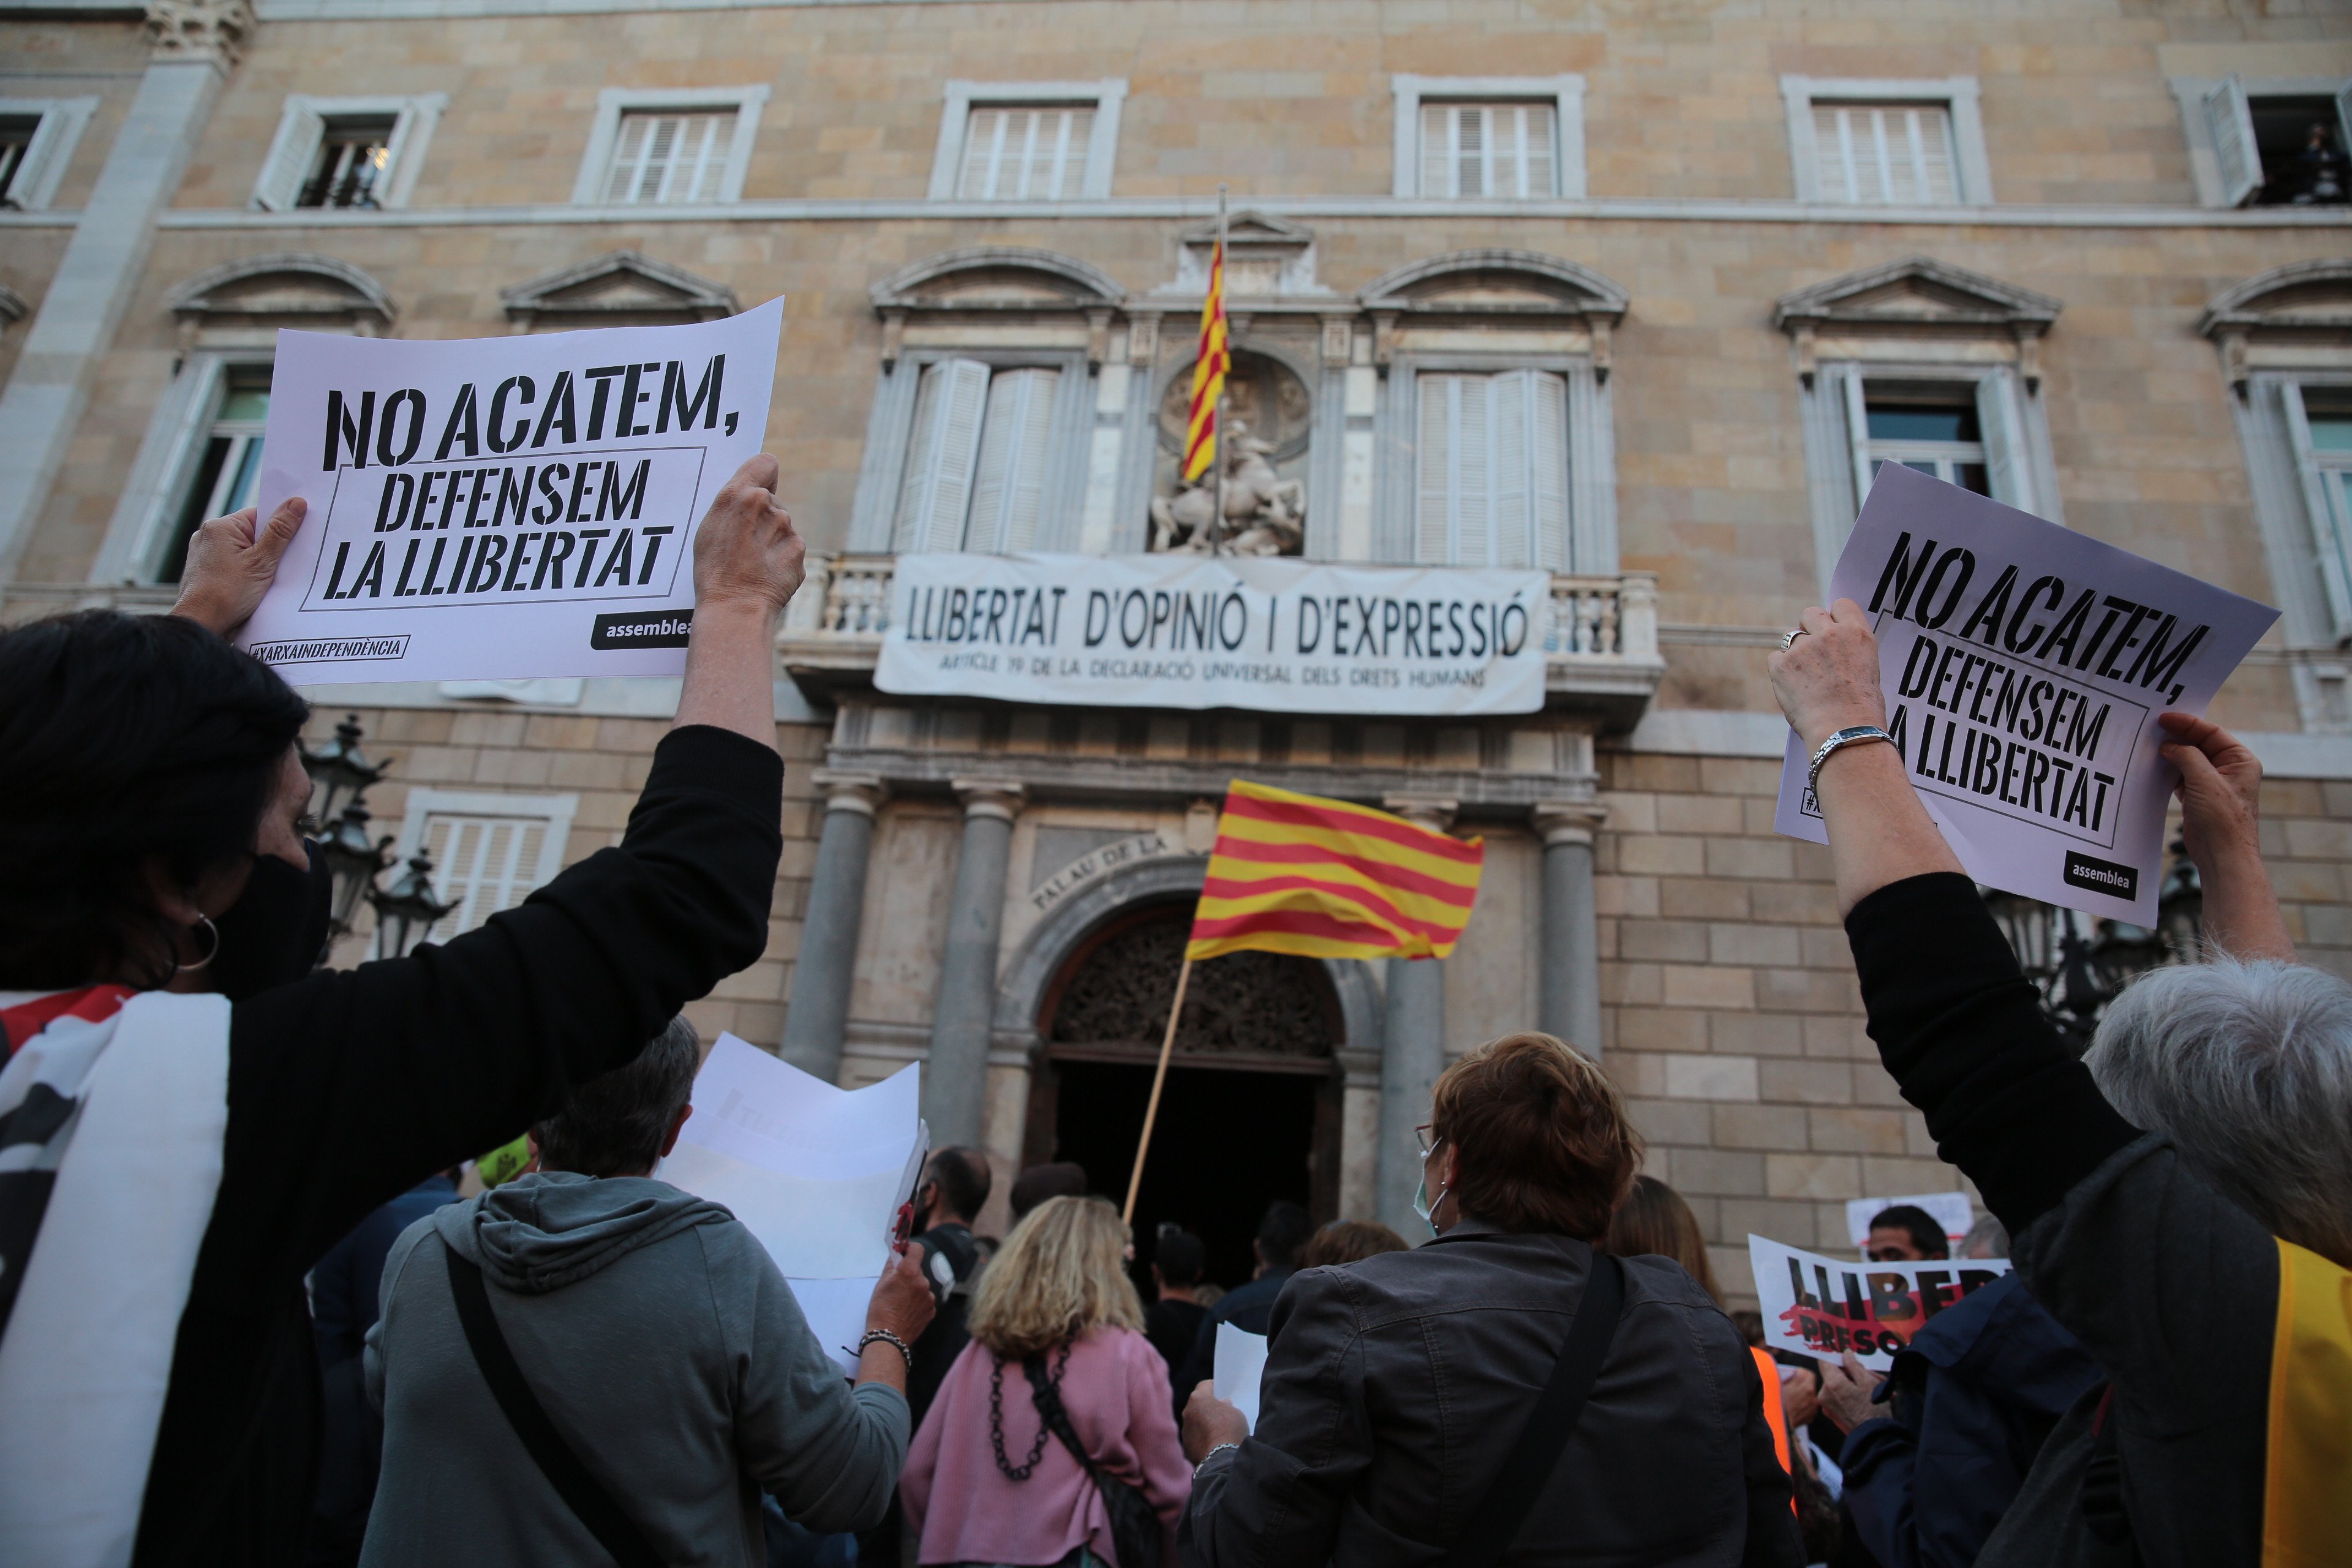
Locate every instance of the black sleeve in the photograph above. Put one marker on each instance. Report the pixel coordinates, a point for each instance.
(346, 1089)
(1772, 1540)
(1963, 1033)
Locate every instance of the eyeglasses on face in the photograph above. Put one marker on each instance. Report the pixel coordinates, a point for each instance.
(1426, 1138)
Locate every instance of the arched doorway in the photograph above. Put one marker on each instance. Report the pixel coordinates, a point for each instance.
(1251, 1111)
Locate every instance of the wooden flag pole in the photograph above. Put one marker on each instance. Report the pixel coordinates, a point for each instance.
(1159, 1077)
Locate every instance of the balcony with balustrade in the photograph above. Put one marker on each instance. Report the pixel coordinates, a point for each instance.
(1601, 646)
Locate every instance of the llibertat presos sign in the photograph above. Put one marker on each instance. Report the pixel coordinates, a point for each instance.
(1820, 1307)
(2025, 666)
(501, 508)
(1199, 631)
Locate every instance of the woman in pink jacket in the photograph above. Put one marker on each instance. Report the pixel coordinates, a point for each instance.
(987, 1481)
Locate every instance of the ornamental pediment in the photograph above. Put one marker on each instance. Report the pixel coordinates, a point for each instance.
(279, 284)
(623, 284)
(1497, 282)
(1918, 291)
(2298, 315)
(998, 277)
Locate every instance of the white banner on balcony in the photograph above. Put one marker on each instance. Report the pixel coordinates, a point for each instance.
(1194, 631)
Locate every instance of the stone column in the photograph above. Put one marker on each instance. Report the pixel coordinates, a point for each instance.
(194, 45)
(818, 1019)
(1569, 999)
(955, 1081)
(1412, 1052)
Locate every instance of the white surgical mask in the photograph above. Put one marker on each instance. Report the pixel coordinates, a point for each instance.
(1422, 1203)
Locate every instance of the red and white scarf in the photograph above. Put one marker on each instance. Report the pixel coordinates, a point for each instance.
(112, 1110)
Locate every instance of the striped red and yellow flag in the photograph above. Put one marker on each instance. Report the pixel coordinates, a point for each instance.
(1324, 879)
(1208, 374)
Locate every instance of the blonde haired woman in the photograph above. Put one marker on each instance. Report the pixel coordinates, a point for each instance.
(1055, 1323)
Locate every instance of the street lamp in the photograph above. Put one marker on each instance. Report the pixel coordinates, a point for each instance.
(407, 909)
(341, 769)
(2180, 907)
(354, 862)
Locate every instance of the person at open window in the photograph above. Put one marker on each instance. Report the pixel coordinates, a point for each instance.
(1398, 1389)
(181, 1156)
(2180, 1199)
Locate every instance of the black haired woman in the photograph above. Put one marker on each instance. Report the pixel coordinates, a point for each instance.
(188, 1118)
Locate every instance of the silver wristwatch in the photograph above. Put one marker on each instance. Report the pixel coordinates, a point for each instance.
(1845, 737)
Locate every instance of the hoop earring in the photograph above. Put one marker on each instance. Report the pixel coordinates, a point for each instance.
(204, 921)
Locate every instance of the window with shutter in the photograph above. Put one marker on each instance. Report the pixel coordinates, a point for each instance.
(935, 496)
(1492, 460)
(299, 132)
(1009, 477)
(2008, 474)
(1881, 154)
(488, 851)
(2319, 428)
(225, 468)
(1933, 429)
(664, 158)
(1506, 150)
(2230, 121)
(1014, 152)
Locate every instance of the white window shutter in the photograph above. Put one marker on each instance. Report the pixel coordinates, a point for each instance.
(2343, 114)
(1009, 478)
(1436, 149)
(937, 493)
(2329, 523)
(298, 135)
(1547, 451)
(2004, 443)
(2232, 123)
(1511, 415)
(1473, 469)
(1433, 457)
(1857, 434)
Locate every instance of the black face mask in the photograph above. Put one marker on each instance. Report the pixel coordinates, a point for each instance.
(277, 929)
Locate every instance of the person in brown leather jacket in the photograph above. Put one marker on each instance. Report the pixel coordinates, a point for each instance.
(1396, 1387)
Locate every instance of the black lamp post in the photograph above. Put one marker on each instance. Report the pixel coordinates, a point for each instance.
(407, 909)
(341, 770)
(354, 862)
(2180, 907)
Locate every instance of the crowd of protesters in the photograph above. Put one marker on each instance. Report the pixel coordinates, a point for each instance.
(245, 1316)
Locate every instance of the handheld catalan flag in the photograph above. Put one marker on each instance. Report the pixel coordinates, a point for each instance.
(1321, 878)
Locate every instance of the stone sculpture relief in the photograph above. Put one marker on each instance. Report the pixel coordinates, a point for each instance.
(1266, 514)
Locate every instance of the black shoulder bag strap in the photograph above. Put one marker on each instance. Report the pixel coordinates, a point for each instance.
(1511, 1495)
(581, 1491)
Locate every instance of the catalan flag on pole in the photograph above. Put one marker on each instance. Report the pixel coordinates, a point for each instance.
(1324, 879)
(1208, 374)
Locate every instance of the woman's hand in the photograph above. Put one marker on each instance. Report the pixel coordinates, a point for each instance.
(1801, 1395)
(230, 564)
(748, 564)
(1210, 1423)
(2220, 795)
(1827, 680)
(1847, 1387)
(901, 1305)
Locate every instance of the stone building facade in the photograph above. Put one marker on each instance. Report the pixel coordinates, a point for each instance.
(1718, 260)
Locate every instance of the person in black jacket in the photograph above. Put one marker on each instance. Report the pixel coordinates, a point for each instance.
(2162, 1251)
(1280, 1234)
(1395, 1388)
(151, 784)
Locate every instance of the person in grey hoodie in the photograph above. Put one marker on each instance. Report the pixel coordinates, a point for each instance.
(657, 1335)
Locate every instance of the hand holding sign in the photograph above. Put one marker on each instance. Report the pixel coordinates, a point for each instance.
(2221, 790)
(231, 565)
(747, 550)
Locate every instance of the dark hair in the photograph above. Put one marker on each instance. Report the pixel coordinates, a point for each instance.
(1179, 1256)
(614, 1123)
(964, 1178)
(1279, 1233)
(124, 740)
(1349, 1241)
(1540, 1137)
(1927, 1230)
(1038, 1183)
(1655, 1221)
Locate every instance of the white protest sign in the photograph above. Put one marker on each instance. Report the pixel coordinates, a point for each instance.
(817, 1172)
(1239, 1367)
(2025, 666)
(1199, 631)
(1951, 1210)
(501, 508)
(1821, 1307)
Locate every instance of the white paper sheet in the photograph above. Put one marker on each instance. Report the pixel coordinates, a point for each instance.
(1823, 1307)
(815, 1172)
(1239, 1367)
(1952, 1211)
(562, 473)
(2026, 665)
